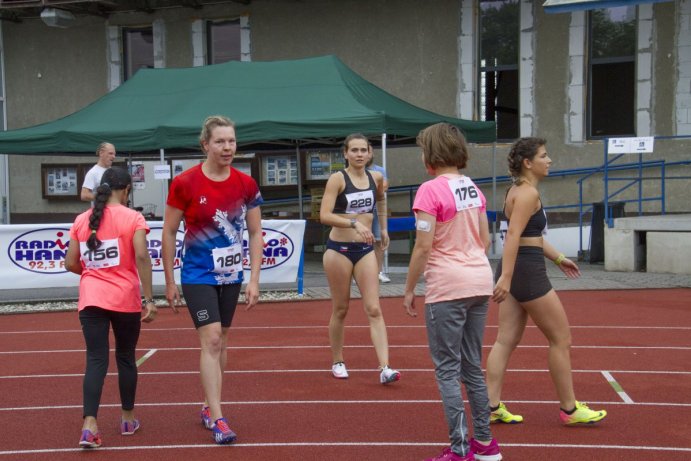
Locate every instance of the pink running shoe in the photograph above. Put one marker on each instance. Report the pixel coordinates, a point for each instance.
(89, 439)
(129, 427)
(485, 452)
(448, 455)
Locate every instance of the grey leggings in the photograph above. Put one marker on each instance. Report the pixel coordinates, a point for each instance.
(455, 330)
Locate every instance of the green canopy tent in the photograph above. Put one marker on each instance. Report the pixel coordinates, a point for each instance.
(280, 100)
(305, 99)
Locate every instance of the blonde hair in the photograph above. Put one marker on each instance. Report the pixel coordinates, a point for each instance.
(212, 122)
(102, 146)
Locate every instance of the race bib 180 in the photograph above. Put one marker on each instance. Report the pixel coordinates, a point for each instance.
(228, 260)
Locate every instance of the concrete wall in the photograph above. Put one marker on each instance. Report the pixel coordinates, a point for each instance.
(407, 47)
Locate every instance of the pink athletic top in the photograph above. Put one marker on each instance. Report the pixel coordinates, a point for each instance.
(110, 280)
(457, 267)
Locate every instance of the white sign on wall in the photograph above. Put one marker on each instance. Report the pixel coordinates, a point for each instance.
(639, 145)
(162, 171)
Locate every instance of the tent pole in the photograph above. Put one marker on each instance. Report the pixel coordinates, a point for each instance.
(385, 264)
(297, 156)
(164, 183)
(129, 170)
(494, 198)
(6, 188)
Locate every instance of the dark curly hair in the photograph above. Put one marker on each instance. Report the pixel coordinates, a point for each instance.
(114, 178)
(524, 148)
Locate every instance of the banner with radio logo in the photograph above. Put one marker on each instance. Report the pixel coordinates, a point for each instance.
(33, 255)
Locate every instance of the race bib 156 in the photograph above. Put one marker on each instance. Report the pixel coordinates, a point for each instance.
(107, 255)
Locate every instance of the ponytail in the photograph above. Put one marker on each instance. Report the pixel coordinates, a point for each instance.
(114, 178)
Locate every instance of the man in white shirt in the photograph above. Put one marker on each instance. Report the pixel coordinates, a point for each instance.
(92, 179)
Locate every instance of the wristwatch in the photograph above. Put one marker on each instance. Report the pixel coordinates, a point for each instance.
(353, 221)
(146, 301)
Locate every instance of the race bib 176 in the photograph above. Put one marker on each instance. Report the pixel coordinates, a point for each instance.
(465, 193)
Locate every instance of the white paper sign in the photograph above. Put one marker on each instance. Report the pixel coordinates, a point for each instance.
(637, 145)
(642, 145)
(161, 171)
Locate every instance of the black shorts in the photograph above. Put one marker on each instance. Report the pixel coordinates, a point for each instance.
(354, 251)
(211, 303)
(529, 274)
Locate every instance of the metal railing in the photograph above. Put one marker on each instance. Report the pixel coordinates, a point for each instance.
(585, 174)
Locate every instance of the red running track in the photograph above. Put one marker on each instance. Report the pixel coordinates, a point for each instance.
(283, 403)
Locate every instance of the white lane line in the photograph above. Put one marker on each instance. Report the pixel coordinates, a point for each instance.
(321, 327)
(345, 444)
(364, 346)
(334, 402)
(145, 357)
(322, 370)
(617, 387)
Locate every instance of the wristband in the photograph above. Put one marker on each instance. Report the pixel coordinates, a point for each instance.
(146, 301)
(559, 259)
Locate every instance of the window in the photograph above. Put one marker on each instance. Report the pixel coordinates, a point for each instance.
(612, 72)
(137, 49)
(223, 41)
(498, 79)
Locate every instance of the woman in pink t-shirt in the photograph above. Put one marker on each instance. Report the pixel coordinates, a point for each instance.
(108, 249)
(452, 237)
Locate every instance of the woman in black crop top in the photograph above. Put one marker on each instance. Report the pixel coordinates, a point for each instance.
(351, 198)
(523, 290)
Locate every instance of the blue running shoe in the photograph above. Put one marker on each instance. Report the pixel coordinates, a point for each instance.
(223, 434)
(206, 418)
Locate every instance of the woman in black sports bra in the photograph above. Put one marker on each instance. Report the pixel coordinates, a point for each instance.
(351, 198)
(523, 290)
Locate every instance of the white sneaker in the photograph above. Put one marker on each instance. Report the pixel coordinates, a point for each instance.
(388, 375)
(383, 278)
(339, 371)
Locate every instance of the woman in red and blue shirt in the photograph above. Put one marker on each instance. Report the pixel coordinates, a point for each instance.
(216, 201)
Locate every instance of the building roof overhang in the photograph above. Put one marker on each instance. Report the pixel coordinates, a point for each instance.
(567, 6)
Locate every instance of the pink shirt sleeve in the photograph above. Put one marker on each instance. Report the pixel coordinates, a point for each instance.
(425, 200)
